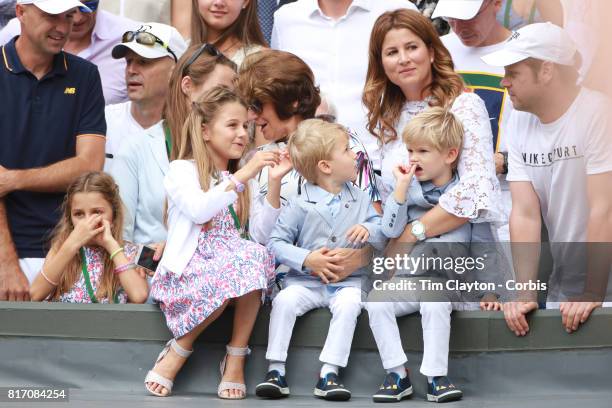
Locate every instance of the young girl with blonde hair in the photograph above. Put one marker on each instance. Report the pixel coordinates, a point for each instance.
(207, 261)
(88, 261)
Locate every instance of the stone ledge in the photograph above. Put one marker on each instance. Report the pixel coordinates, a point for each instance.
(473, 331)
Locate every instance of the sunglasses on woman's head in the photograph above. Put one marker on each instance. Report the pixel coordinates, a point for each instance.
(92, 5)
(209, 49)
(145, 38)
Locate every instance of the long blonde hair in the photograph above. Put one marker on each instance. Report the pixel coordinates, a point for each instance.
(246, 27)
(178, 104)
(93, 182)
(382, 98)
(194, 147)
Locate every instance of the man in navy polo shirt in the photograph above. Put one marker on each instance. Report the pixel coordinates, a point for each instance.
(52, 130)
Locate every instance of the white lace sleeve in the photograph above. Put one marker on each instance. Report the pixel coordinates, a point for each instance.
(477, 196)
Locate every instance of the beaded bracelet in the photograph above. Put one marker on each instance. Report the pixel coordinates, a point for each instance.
(47, 278)
(115, 253)
(124, 268)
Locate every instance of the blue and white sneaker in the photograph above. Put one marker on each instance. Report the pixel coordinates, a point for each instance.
(443, 390)
(393, 389)
(330, 388)
(275, 386)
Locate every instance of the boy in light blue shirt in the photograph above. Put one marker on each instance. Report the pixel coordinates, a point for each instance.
(329, 213)
(434, 140)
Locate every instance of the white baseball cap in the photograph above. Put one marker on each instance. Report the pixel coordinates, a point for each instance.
(543, 41)
(459, 9)
(167, 42)
(55, 6)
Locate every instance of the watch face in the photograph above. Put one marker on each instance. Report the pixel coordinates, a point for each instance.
(418, 229)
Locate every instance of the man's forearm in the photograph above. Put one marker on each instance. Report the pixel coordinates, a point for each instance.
(526, 236)
(54, 178)
(599, 256)
(8, 253)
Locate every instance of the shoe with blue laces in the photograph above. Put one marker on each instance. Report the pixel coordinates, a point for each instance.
(442, 389)
(275, 386)
(330, 388)
(393, 389)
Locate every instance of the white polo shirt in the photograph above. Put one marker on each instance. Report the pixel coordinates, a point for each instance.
(337, 53)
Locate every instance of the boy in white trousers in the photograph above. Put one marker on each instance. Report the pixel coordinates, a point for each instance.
(433, 139)
(329, 213)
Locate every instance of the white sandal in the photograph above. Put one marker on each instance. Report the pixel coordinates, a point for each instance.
(225, 385)
(153, 377)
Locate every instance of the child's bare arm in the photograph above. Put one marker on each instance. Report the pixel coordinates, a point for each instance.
(56, 262)
(132, 282)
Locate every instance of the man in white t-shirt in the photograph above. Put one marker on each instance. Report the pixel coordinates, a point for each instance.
(332, 37)
(147, 75)
(560, 169)
(475, 33)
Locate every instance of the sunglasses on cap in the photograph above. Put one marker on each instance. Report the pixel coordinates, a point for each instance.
(146, 38)
(92, 5)
(209, 49)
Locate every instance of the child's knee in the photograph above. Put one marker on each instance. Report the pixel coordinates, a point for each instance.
(378, 309)
(436, 308)
(347, 307)
(286, 302)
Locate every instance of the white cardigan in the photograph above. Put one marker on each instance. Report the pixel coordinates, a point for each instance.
(189, 207)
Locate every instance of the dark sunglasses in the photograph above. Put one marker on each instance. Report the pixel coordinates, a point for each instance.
(92, 5)
(145, 38)
(326, 117)
(256, 107)
(209, 49)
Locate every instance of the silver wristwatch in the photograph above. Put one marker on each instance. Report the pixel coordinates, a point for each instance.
(418, 230)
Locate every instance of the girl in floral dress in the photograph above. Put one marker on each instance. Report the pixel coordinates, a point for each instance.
(88, 261)
(207, 261)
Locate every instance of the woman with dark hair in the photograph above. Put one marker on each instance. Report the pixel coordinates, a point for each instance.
(281, 92)
(231, 25)
(280, 89)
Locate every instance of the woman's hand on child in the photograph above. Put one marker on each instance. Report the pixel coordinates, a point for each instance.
(85, 231)
(323, 265)
(350, 260)
(358, 233)
(259, 160)
(403, 173)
